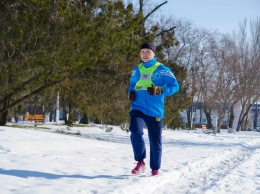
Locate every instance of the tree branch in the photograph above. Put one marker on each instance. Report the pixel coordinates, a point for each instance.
(157, 7)
(163, 31)
(18, 89)
(36, 91)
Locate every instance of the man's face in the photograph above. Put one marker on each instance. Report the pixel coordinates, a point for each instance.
(146, 55)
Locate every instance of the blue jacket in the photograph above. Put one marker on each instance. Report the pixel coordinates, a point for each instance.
(149, 104)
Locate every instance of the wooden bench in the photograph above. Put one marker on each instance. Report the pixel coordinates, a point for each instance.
(36, 118)
(205, 129)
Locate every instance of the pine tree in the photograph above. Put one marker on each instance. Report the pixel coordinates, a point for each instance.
(45, 43)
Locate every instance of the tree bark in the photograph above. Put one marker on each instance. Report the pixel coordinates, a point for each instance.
(4, 114)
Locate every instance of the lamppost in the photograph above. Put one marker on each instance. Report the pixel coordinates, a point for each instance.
(214, 123)
(57, 109)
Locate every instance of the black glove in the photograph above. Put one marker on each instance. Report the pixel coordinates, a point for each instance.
(131, 96)
(154, 90)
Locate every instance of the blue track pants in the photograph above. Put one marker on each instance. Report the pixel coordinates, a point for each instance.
(138, 121)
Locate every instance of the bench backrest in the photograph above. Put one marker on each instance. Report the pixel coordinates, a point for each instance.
(204, 127)
(33, 117)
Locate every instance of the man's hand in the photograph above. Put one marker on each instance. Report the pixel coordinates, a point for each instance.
(131, 96)
(154, 90)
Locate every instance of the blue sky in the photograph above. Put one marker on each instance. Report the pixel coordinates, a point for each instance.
(222, 15)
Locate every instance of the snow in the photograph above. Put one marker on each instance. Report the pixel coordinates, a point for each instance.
(39, 160)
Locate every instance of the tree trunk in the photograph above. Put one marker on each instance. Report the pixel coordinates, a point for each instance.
(84, 119)
(4, 114)
(231, 119)
(3, 118)
(189, 117)
(208, 117)
(70, 117)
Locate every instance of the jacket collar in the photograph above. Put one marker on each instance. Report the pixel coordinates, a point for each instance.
(150, 63)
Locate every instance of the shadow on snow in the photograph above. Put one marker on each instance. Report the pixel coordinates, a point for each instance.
(29, 173)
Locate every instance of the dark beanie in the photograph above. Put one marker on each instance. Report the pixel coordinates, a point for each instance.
(148, 45)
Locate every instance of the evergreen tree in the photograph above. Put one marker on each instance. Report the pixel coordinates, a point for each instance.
(83, 49)
(45, 42)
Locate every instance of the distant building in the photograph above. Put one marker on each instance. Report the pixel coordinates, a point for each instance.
(255, 117)
(198, 116)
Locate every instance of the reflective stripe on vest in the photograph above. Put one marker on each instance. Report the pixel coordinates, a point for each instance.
(145, 80)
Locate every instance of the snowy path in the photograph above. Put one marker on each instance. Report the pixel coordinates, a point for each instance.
(205, 175)
(248, 182)
(34, 161)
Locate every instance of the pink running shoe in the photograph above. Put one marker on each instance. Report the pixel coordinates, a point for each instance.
(140, 168)
(155, 172)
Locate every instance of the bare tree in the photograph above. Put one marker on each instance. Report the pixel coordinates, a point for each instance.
(249, 70)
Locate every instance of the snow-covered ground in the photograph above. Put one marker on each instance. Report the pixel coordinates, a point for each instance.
(37, 160)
